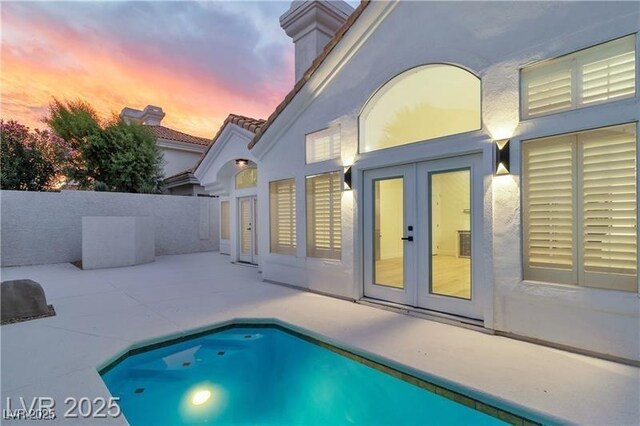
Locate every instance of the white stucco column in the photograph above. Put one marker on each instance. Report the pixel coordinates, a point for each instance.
(311, 24)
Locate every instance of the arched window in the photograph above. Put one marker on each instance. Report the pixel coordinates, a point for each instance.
(422, 103)
(247, 178)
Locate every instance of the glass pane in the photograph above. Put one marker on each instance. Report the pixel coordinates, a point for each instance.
(423, 103)
(388, 247)
(451, 233)
(247, 178)
(323, 145)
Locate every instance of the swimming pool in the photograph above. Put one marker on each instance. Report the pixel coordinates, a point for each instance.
(269, 375)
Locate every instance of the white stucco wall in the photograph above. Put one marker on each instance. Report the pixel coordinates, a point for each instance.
(46, 227)
(115, 241)
(177, 161)
(493, 40)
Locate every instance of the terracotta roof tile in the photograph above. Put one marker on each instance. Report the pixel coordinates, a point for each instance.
(312, 69)
(251, 124)
(162, 132)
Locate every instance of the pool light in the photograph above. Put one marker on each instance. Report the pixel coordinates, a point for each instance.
(200, 396)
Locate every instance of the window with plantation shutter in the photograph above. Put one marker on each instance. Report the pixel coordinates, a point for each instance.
(598, 74)
(608, 73)
(580, 208)
(324, 220)
(609, 207)
(282, 205)
(548, 209)
(548, 89)
(224, 220)
(323, 145)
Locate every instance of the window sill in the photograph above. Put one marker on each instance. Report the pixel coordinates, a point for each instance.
(573, 287)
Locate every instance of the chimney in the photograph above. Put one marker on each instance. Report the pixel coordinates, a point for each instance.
(311, 24)
(150, 115)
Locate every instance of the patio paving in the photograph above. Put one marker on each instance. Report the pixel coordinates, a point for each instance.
(101, 313)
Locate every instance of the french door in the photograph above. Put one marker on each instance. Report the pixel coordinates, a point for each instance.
(422, 223)
(247, 232)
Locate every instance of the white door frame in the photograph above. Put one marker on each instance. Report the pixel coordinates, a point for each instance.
(417, 273)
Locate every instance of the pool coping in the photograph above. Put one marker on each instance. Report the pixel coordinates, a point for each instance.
(476, 399)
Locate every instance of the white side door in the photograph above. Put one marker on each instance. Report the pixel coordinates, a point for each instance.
(246, 232)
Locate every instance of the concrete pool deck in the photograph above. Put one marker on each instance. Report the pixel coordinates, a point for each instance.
(101, 313)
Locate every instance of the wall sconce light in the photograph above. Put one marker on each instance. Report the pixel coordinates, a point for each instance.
(242, 162)
(347, 179)
(502, 157)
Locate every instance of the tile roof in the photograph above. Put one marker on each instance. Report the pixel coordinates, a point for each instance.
(181, 174)
(251, 124)
(162, 132)
(182, 178)
(248, 123)
(312, 69)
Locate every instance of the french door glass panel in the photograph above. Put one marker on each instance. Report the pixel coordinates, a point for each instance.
(450, 245)
(388, 245)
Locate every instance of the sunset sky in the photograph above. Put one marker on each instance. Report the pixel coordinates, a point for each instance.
(199, 61)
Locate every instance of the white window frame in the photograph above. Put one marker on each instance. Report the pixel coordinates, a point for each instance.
(312, 139)
(577, 275)
(574, 61)
(275, 247)
(373, 100)
(335, 250)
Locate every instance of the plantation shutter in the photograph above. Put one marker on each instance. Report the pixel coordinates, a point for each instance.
(548, 203)
(283, 216)
(609, 74)
(547, 88)
(224, 220)
(324, 220)
(323, 145)
(609, 207)
(598, 74)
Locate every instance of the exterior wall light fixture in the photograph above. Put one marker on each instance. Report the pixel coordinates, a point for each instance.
(502, 157)
(242, 162)
(347, 179)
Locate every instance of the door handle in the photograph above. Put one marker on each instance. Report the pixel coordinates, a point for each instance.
(409, 238)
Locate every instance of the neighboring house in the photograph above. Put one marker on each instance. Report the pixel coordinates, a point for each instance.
(475, 161)
(180, 151)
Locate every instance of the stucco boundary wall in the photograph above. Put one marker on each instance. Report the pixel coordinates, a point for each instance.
(46, 227)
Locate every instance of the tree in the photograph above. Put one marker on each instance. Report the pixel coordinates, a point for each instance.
(124, 158)
(31, 161)
(111, 156)
(74, 121)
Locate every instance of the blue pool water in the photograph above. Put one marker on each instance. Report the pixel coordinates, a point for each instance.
(267, 376)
